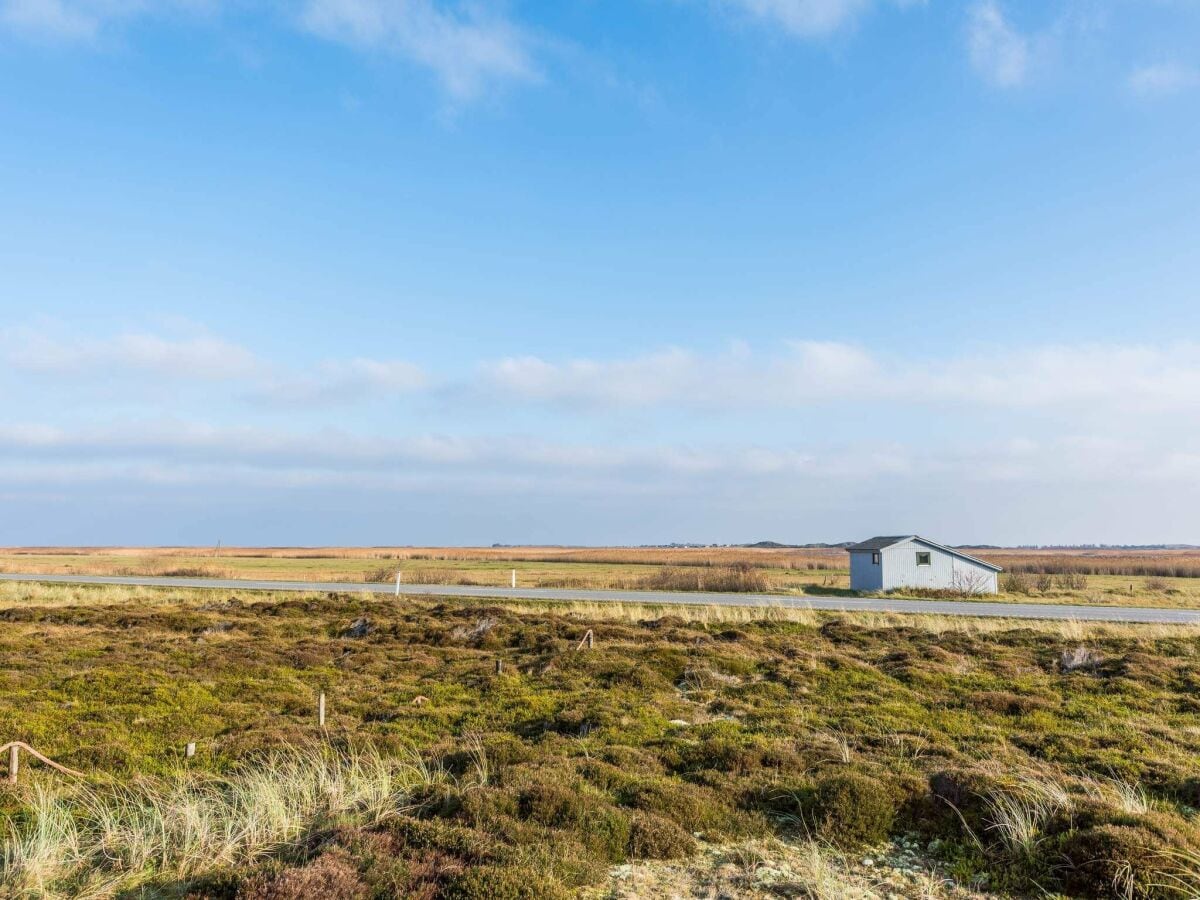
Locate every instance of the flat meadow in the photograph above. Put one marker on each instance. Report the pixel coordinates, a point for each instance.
(482, 750)
(1167, 578)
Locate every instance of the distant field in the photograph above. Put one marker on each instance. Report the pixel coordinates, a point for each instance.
(1105, 577)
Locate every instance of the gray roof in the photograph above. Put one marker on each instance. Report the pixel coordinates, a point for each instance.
(882, 543)
(879, 543)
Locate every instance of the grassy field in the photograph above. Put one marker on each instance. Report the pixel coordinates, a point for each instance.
(1089, 577)
(1020, 758)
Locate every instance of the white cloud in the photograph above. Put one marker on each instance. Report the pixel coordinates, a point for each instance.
(1161, 79)
(810, 18)
(192, 357)
(335, 381)
(187, 453)
(806, 18)
(47, 18)
(147, 359)
(70, 20)
(1079, 378)
(998, 51)
(467, 50)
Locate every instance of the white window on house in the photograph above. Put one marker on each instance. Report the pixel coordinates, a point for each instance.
(923, 559)
(875, 558)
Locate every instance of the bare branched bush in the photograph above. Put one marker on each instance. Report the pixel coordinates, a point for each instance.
(1072, 581)
(1016, 583)
(969, 582)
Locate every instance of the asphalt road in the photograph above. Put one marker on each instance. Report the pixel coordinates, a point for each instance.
(845, 604)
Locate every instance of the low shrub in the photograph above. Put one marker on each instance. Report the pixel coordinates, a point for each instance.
(654, 837)
(331, 876)
(598, 826)
(853, 810)
(502, 883)
(1119, 861)
(1016, 583)
(960, 799)
(691, 807)
(1072, 581)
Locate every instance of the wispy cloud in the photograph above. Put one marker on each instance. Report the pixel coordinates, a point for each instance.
(1148, 379)
(149, 359)
(73, 20)
(810, 18)
(55, 19)
(199, 356)
(341, 382)
(467, 49)
(998, 51)
(1162, 79)
(185, 452)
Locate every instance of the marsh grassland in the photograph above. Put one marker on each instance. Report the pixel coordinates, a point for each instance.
(1012, 759)
(1169, 578)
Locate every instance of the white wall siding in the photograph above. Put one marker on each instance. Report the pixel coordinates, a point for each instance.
(899, 569)
(864, 574)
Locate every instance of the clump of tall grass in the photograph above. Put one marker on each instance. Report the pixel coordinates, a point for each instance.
(91, 841)
(738, 578)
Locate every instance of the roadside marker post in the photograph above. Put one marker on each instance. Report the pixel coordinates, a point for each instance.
(398, 574)
(321, 710)
(514, 578)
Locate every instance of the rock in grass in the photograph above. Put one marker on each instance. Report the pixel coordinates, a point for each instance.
(359, 628)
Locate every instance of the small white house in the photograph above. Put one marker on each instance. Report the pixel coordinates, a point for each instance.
(909, 561)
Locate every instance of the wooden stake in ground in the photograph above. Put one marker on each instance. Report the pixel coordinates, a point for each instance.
(14, 760)
(321, 710)
(499, 667)
(589, 641)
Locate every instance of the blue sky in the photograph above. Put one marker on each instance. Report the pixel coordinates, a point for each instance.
(414, 271)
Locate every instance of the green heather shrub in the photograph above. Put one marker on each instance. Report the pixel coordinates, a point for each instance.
(597, 825)
(960, 798)
(437, 834)
(691, 807)
(1120, 861)
(654, 837)
(502, 883)
(331, 876)
(853, 810)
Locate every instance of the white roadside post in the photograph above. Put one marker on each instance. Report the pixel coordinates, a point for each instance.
(398, 574)
(514, 578)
